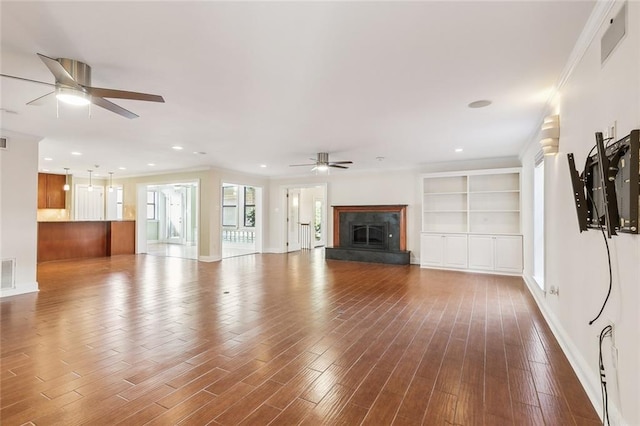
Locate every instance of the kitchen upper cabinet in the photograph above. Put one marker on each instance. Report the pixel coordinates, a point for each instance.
(51, 193)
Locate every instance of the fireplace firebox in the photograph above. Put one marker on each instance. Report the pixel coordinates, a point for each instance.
(369, 235)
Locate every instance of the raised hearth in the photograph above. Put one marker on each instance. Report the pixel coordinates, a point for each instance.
(370, 234)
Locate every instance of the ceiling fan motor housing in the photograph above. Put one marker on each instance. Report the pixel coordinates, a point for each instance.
(80, 71)
(323, 158)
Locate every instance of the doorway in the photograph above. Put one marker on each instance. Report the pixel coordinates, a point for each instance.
(306, 219)
(241, 227)
(171, 222)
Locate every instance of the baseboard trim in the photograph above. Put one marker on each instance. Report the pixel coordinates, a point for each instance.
(578, 363)
(209, 258)
(20, 289)
(472, 271)
(274, 250)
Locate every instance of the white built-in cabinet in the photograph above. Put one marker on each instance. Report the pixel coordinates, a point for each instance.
(471, 220)
(443, 250)
(497, 253)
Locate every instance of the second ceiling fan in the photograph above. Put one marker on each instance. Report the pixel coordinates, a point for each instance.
(322, 163)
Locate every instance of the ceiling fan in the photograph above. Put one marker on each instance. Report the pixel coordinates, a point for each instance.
(322, 163)
(73, 86)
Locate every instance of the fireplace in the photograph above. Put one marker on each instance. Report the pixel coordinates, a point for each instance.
(369, 234)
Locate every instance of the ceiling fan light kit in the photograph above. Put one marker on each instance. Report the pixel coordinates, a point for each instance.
(73, 86)
(72, 96)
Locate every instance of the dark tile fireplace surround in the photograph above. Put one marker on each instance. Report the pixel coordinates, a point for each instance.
(369, 234)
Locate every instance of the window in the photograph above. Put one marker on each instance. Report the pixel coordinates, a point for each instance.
(249, 207)
(229, 206)
(538, 221)
(152, 205)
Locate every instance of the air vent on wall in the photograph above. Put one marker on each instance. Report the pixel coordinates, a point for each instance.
(7, 274)
(4, 143)
(613, 34)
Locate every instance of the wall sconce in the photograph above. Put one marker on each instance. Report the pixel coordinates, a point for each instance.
(550, 134)
(110, 181)
(66, 186)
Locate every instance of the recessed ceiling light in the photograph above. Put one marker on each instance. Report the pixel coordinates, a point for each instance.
(76, 153)
(122, 168)
(199, 152)
(48, 159)
(151, 164)
(177, 147)
(458, 149)
(480, 104)
(263, 165)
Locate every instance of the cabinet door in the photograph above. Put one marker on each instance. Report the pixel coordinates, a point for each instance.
(431, 253)
(42, 191)
(508, 253)
(481, 253)
(455, 251)
(55, 191)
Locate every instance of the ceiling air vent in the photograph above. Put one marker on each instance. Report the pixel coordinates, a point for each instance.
(613, 34)
(4, 143)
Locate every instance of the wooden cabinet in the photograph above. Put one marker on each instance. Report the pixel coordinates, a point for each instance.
(499, 253)
(81, 239)
(443, 250)
(51, 193)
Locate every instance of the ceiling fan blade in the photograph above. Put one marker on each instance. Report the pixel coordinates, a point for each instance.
(341, 162)
(101, 102)
(62, 75)
(27, 79)
(40, 100)
(123, 94)
(302, 165)
(337, 166)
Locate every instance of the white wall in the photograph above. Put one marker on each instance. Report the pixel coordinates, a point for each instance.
(18, 206)
(594, 96)
(368, 188)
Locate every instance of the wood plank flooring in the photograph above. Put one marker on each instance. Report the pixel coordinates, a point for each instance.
(283, 340)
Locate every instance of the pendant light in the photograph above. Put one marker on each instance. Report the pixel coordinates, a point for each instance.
(110, 181)
(66, 186)
(90, 188)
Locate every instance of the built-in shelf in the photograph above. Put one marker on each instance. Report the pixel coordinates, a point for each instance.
(481, 203)
(477, 201)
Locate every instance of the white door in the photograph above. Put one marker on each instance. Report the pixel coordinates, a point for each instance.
(293, 220)
(508, 252)
(318, 223)
(431, 249)
(175, 218)
(455, 251)
(481, 252)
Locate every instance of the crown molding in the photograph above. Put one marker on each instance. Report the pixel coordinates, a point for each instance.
(598, 15)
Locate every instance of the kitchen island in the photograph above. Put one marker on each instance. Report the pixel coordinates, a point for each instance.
(77, 239)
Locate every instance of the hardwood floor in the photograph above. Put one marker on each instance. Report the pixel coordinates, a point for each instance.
(280, 339)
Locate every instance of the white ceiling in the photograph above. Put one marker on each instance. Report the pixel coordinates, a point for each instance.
(275, 82)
